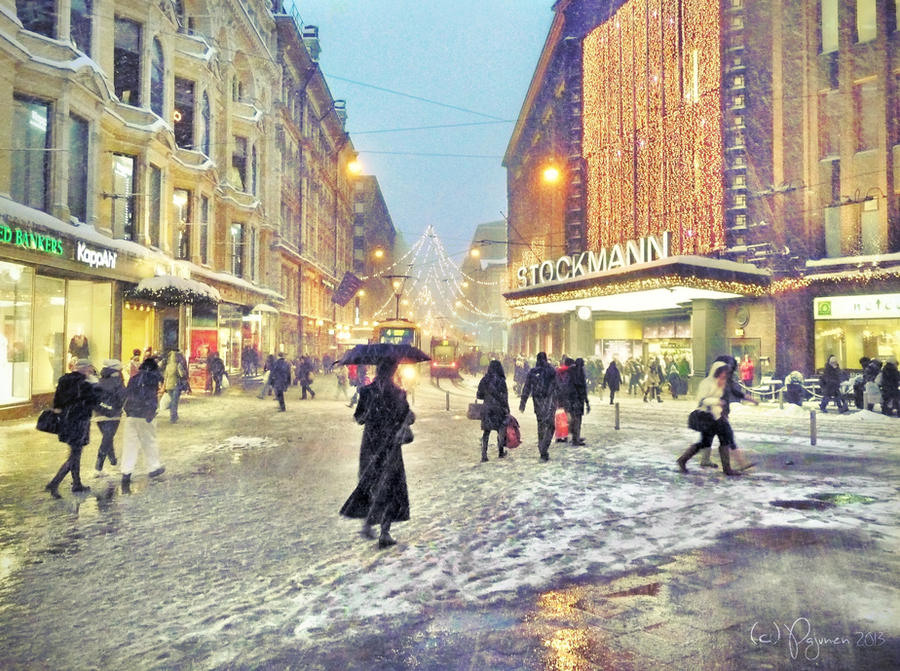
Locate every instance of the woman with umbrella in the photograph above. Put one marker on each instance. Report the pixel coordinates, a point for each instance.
(381, 497)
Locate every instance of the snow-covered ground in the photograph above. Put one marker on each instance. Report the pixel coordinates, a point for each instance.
(239, 551)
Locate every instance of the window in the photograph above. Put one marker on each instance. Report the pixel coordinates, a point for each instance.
(184, 113)
(30, 169)
(205, 124)
(79, 159)
(237, 250)
(870, 228)
(182, 200)
(252, 260)
(253, 167)
(204, 229)
(829, 21)
(832, 232)
(155, 207)
(157, 79)
(865, 99)
(38, 16)
(127, 61)
(829, 124)
(239, 163)
(866, 25)
(80, 16)
(123, 196)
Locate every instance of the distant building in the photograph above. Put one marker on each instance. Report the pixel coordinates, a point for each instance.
(374, 247)
(730, 165)
(484, 277)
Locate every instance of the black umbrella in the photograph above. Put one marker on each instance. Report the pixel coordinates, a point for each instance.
(372, 354)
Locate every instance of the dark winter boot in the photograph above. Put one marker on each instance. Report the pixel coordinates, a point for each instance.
(501, 446)
(126, 483)
(77, 485)
(725, 458)
(684, 458)
(99, 466)
(385, 540)
(484, 446)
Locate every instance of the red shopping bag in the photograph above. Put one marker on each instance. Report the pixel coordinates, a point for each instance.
(513, 435)
(562, 424)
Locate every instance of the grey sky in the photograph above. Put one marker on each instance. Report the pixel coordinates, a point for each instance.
(473, 54)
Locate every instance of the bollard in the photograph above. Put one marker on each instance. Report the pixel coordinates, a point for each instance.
(781, 399)
(448, 400)
(617, 416)
(812, 427)
(865, 400)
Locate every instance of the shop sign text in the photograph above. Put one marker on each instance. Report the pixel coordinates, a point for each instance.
(632, 252)
(94, 258)
(874, 306)
(21, 237)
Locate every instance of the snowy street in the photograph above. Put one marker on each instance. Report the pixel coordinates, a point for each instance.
(237, 558)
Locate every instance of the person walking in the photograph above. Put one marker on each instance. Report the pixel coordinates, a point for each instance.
(358, 380)
(612, 379)
(175, 375)
(635, 379)
(340, 377)
(890, 387)
(654, 380)
(712, 420)
(541, 386)
(733, 393)
(216, 369)
(831, 385)
(306, 375)
(577, 400)
(140, 408)
(134, 363)
(748, 370)
(267, 375)
(493, 391)
(75, 399)
(111, 388)
(381, 496)
(280, 379)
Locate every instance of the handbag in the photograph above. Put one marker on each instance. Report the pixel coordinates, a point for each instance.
(48, 421)
(561, 422)
(513, 435)
(700, 420)
(225, 381)
(475, 410)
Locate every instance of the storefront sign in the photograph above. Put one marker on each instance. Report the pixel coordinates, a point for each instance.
(631, 253)
(95, 259)
(22, 237)
(876, 306)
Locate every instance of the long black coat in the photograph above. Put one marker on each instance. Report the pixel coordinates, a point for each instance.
(381, 495)
(111, 388)
(612, 378)
(830, 380)
(76, 398)
(492, 389)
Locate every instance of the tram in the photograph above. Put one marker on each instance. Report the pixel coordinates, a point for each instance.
(401, 332)
(444, 358)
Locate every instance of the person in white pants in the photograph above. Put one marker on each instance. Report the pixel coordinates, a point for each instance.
(141, 404)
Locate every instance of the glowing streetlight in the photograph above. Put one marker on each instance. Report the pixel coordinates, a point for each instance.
(475, 252)
(354, 167)
(378, 253)
(551, 174)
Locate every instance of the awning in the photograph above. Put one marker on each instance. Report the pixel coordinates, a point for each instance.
(262, 307)
(174, 290)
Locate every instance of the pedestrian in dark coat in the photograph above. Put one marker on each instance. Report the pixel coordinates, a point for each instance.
(731, 393)
(305, 374)
(381, 497)
(280, 379)
(831, 385)
(141, 404)
(111, 388)
(541, 385)
(216, 368)
(75, 399)
(577, 403)
(612, 379)
(890, 387)
(492, 389)
(267, 376)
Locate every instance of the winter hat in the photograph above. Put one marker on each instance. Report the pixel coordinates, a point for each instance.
(115, 364)
(149, 364)
(84, 363)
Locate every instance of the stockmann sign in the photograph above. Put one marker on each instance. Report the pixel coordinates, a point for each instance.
(630, 253)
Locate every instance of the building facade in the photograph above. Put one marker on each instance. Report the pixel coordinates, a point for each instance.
(727, 178)
(172, 174)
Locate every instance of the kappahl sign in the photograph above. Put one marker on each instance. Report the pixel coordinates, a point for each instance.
(102, 258)
(569, 267)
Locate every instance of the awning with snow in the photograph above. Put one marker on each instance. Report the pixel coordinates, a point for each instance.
(173, 290)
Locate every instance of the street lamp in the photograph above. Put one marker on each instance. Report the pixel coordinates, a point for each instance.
(551, 174)
(397, 284)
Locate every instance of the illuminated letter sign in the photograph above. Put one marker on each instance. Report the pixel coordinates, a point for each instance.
(95, 259)
(580, 264)
(22, 237)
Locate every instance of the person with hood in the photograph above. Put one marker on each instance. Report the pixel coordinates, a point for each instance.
(280, 379)
(732, 394)
(134, 363)
(381, 496)
(175, 380)
(794, 390)
(577, 400)
(612, 379)
(493, 391)
(713, 420)
(75, 399)
(111, 388)
(831, 385)
(541, 385)
(141, 404)
(653, 381)
(890, 387)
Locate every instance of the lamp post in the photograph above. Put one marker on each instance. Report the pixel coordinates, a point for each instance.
(397, 284)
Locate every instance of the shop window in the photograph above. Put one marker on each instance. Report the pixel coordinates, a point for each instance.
(50, 350)
(30, 163)
(870, 228)
(38, 16)
(123, 196)
(88, 323)
(80, 17)
(127, 61)
(157, 79)
(182, 199)
(832, 232)
(239, 163)
(829, 25)
(866, 24)
(184, 113)
(16, 289)
(237, 250)
(865, 99)
(205, 124)
(154, 207)
(204, 229)
(829, 124)
(79, 159)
